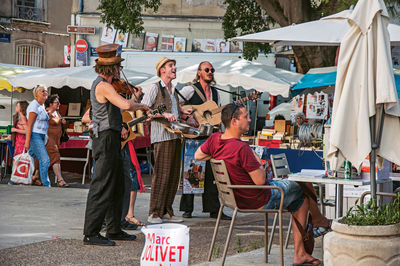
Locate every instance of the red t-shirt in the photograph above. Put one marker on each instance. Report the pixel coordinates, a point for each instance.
(240, 161)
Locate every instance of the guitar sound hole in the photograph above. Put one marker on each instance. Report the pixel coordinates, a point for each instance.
(207, 115)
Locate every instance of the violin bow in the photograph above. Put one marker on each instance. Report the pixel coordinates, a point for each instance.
(129, 86)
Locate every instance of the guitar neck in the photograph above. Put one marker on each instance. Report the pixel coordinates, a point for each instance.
(219, 109)
(137, 121)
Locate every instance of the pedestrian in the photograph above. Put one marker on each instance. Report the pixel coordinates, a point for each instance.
(20, 125)
(36, 134)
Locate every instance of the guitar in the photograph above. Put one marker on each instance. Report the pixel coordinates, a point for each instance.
(129, 122)
(210, 113)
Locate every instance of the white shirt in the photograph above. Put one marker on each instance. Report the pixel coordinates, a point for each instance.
(158, 132)
(41, 124)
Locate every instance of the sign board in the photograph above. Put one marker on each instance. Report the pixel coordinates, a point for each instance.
(81, 46)
(81, 59)
(5, 37)
(81, 29)
(93, 51)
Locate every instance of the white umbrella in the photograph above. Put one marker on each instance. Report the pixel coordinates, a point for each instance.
(72, 77)
(364, 85)
(249, 75)
(325, 31)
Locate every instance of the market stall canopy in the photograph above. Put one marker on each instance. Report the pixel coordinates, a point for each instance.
(7, 71)
(246, 74)
(72, 77)
(326, 76)
(325, 31)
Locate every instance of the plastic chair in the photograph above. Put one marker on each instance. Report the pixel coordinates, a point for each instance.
(225, 191)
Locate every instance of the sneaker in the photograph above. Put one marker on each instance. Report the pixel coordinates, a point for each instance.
(121, 236)
(171, 219)
(187, 215)
(223, 216)
(154, 220)
(97, 240)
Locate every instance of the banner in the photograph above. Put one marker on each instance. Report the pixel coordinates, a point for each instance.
(193, 171)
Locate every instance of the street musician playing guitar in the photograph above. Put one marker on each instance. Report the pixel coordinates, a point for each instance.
(200, 92)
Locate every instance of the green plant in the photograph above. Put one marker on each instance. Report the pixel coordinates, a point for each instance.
(371, 214)
(239, 244)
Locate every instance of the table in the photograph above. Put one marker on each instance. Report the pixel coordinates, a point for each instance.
(339, 188)
(395, 178)
(77, 142)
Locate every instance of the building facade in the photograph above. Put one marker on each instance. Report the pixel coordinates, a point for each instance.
(33, 32)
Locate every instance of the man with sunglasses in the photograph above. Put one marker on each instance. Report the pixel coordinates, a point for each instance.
(106, 191)
(201, 91)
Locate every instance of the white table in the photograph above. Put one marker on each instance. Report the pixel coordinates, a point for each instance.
(339, 188)
(395, 178)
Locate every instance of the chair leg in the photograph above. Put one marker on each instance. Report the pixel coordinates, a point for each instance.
(281, 237)
(229, 236)
(266, 246)
(288, 232)
(84, 167)
(215, 232)
(272, 233)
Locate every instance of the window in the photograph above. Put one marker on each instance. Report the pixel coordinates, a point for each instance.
(29, 55)
(29, 9)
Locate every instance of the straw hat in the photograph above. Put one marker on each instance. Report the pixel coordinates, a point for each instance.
(109, 54)
(162, 62)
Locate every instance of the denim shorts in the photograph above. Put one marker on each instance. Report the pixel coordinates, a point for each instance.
(294, 195)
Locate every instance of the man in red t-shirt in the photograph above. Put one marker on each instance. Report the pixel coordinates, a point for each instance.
(244, 168)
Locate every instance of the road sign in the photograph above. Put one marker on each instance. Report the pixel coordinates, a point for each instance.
(81, 46)
(81, 29)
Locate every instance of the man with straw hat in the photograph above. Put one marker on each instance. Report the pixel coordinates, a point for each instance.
(107, 185)
(167, 146)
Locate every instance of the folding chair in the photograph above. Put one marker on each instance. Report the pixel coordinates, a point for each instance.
(225, 191)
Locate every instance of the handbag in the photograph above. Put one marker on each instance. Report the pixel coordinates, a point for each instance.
(307, 235)
(64, 136)
(22, 169)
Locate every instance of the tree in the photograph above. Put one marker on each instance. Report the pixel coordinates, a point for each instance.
(286, 12)
(126, 15)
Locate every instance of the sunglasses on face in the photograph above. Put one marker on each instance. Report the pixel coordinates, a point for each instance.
(208, 70)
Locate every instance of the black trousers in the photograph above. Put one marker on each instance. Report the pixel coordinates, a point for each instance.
(127, 180)
(209, 197)
(106, 191)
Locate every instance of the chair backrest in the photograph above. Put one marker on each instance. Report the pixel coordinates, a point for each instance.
(280, 165)
(222, 181)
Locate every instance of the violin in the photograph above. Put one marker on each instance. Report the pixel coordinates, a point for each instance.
(122, 86)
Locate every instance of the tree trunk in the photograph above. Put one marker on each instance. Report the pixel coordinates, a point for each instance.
(287, 12)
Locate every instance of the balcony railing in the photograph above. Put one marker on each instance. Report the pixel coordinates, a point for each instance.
(29, 13)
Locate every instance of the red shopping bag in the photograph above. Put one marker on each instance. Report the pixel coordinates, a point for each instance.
(22, 169)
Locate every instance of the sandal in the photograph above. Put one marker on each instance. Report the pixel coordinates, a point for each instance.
(133, 220)
(310, 262)
(62, 183)
(36, 182)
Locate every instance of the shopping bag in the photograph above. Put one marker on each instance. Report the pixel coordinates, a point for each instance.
(166, 244)
(22, 169)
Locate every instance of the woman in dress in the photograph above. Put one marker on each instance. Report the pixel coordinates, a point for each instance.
(19, 129)
(54, 133)
(36, 133)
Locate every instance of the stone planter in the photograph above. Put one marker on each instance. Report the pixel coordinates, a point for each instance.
(362, 245)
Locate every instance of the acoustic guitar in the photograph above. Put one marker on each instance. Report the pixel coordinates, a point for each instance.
(210, 113)
(128, 122)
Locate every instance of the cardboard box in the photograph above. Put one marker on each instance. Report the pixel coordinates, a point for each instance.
(270, 143)
(282, 126)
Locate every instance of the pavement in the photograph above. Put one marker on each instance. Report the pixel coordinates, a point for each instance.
(32, 215)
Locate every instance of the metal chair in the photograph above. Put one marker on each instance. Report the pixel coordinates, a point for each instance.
(225, 191)
(280, 168)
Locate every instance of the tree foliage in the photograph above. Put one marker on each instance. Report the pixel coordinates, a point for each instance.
(126, 15)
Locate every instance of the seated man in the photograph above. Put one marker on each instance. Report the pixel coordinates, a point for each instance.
(244, 168)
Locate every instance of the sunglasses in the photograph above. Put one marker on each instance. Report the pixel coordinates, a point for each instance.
(234, 109)
(208, 70)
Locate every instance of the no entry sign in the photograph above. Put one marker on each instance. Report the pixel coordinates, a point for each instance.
(81, 46)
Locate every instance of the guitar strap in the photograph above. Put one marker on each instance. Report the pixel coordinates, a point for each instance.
(201, 95)
(180, 94)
